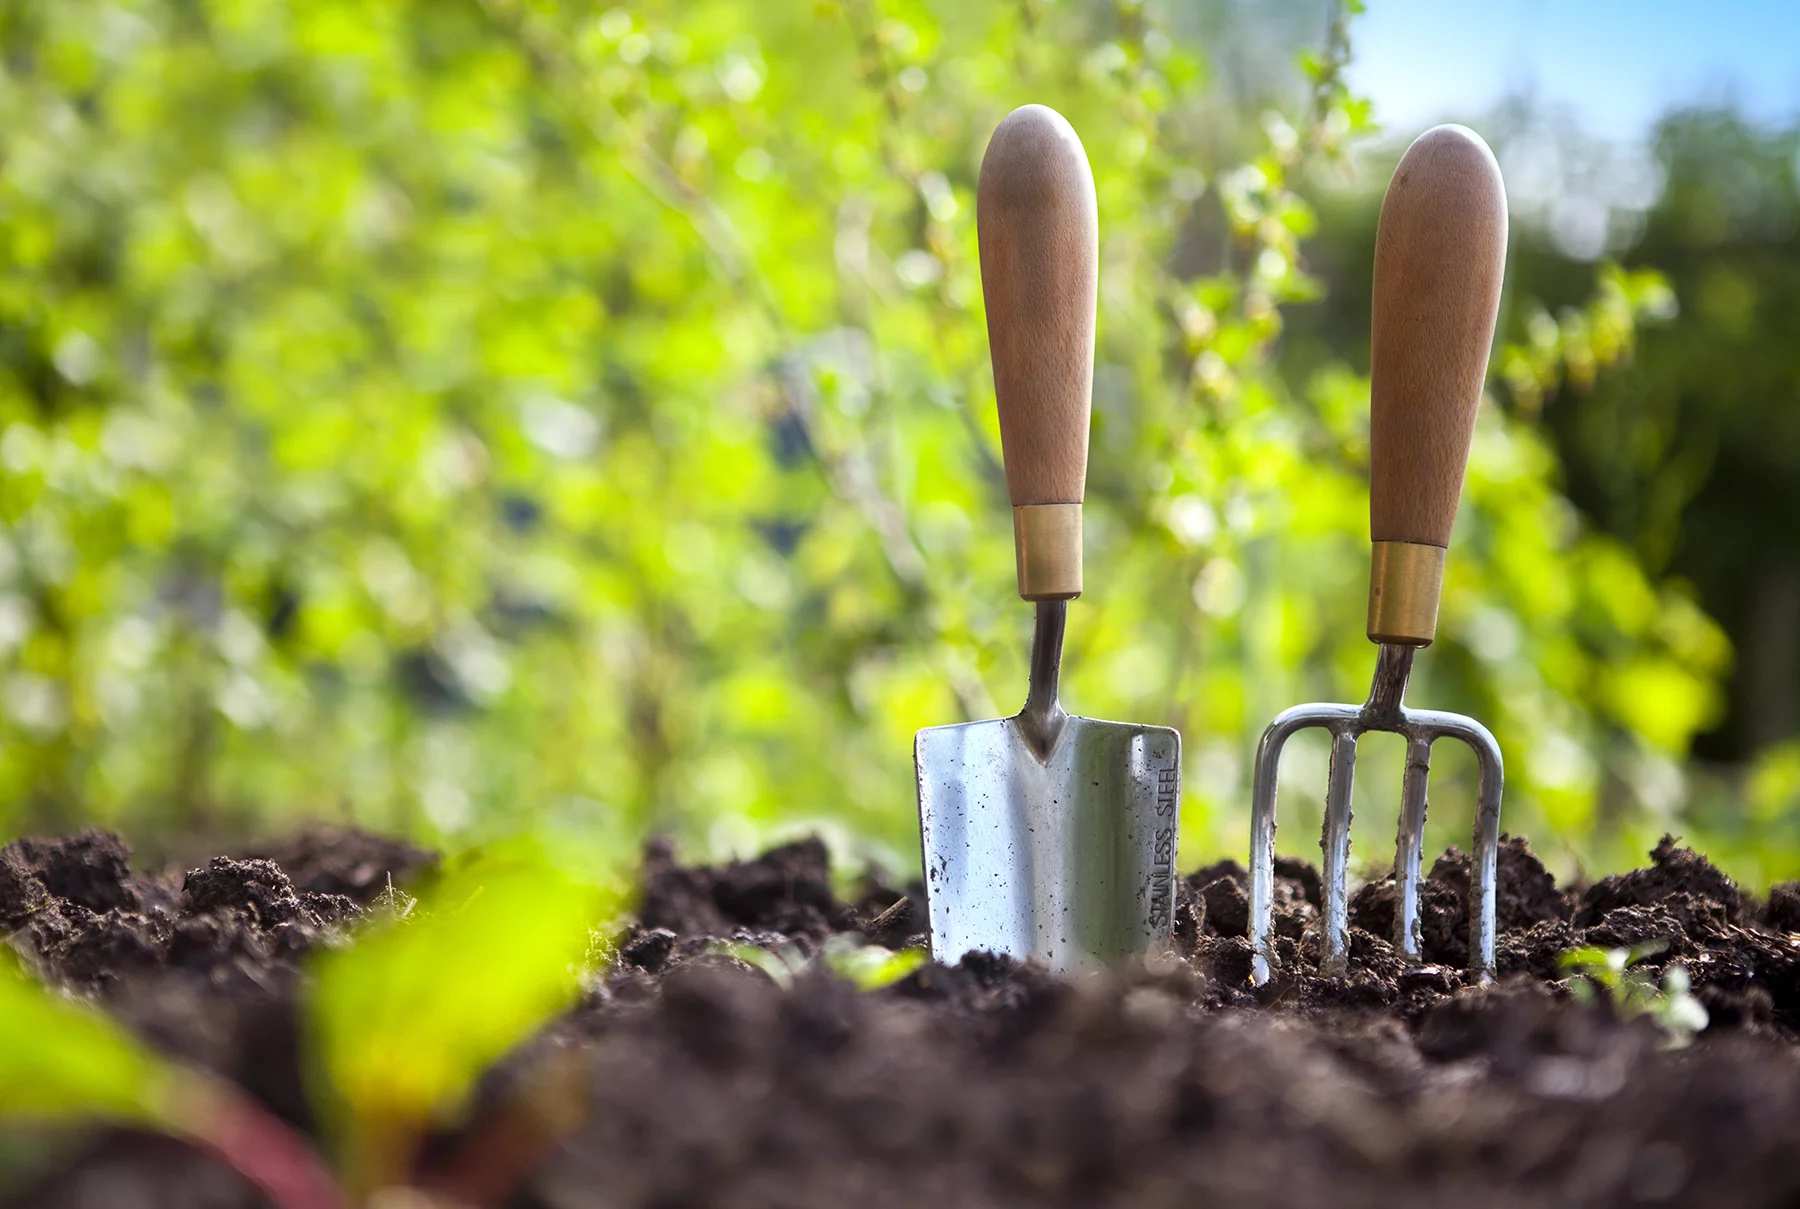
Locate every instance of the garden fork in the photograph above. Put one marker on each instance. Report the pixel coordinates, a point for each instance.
(1440, 253)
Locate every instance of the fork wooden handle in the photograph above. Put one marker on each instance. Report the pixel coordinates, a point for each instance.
(1038, 227)
(1440, 255)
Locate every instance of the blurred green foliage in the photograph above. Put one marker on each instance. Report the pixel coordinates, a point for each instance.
(471, 415)
(69, 1069)
(1693, 453)
(869, 967)
(77, 1065)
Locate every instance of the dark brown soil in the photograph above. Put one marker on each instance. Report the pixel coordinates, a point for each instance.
(990, 1084)
(202, 964)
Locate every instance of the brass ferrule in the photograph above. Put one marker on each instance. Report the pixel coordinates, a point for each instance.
(1405, 581)
(1047, 540)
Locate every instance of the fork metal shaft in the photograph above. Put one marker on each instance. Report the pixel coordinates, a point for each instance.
(1387, 688)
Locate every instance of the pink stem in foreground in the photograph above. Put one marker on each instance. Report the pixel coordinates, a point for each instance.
(262, 1148)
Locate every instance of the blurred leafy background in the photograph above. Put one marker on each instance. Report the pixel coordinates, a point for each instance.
(473, 416)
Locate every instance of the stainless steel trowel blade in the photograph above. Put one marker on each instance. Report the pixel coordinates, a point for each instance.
(1069, 861)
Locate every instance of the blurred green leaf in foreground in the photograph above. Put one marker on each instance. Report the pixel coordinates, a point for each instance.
(65, 1064)
(64, 1061)
(404, 1021)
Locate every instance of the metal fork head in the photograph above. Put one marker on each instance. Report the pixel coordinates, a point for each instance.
(1383, 711)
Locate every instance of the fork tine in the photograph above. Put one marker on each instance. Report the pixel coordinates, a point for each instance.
(1487, 849)
(1409, 854)
(1262, 821)
(1264, 787)
(1482, 875)
(1334, 954)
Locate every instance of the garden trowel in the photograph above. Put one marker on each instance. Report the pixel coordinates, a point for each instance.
(1047, 837)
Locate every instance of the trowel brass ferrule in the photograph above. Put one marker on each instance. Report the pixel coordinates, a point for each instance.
(1047, 540)
(1405, 581)
(1383, 711)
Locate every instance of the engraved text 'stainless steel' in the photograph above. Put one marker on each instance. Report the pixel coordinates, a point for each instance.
(1046, 836)
(1439, 256)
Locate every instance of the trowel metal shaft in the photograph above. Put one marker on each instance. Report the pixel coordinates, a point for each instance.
(1043, 717)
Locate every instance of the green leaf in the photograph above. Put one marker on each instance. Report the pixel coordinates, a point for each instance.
(781, 967)
(870, 967)
(65, 1061)
(405, 1020)
(1616, 975)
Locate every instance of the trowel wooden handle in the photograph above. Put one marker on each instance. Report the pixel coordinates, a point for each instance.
(1440, 253)
(1039, 232)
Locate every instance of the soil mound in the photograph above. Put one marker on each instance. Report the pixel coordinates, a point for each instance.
(988, 1083)
(203, 965)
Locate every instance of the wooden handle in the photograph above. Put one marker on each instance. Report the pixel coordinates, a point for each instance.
(1040, 250)
(1440, 254)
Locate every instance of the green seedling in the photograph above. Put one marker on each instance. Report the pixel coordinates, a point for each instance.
(399, 1025)
(867, 967)
(69, 1064)
(406, 1020)
(1615, 976)
(870, 967)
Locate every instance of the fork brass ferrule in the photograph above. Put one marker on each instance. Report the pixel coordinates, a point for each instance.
(1405, 581)
(1047, 540)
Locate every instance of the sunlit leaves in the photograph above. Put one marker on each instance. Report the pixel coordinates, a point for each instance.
(1581, 342)
(513, 414)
